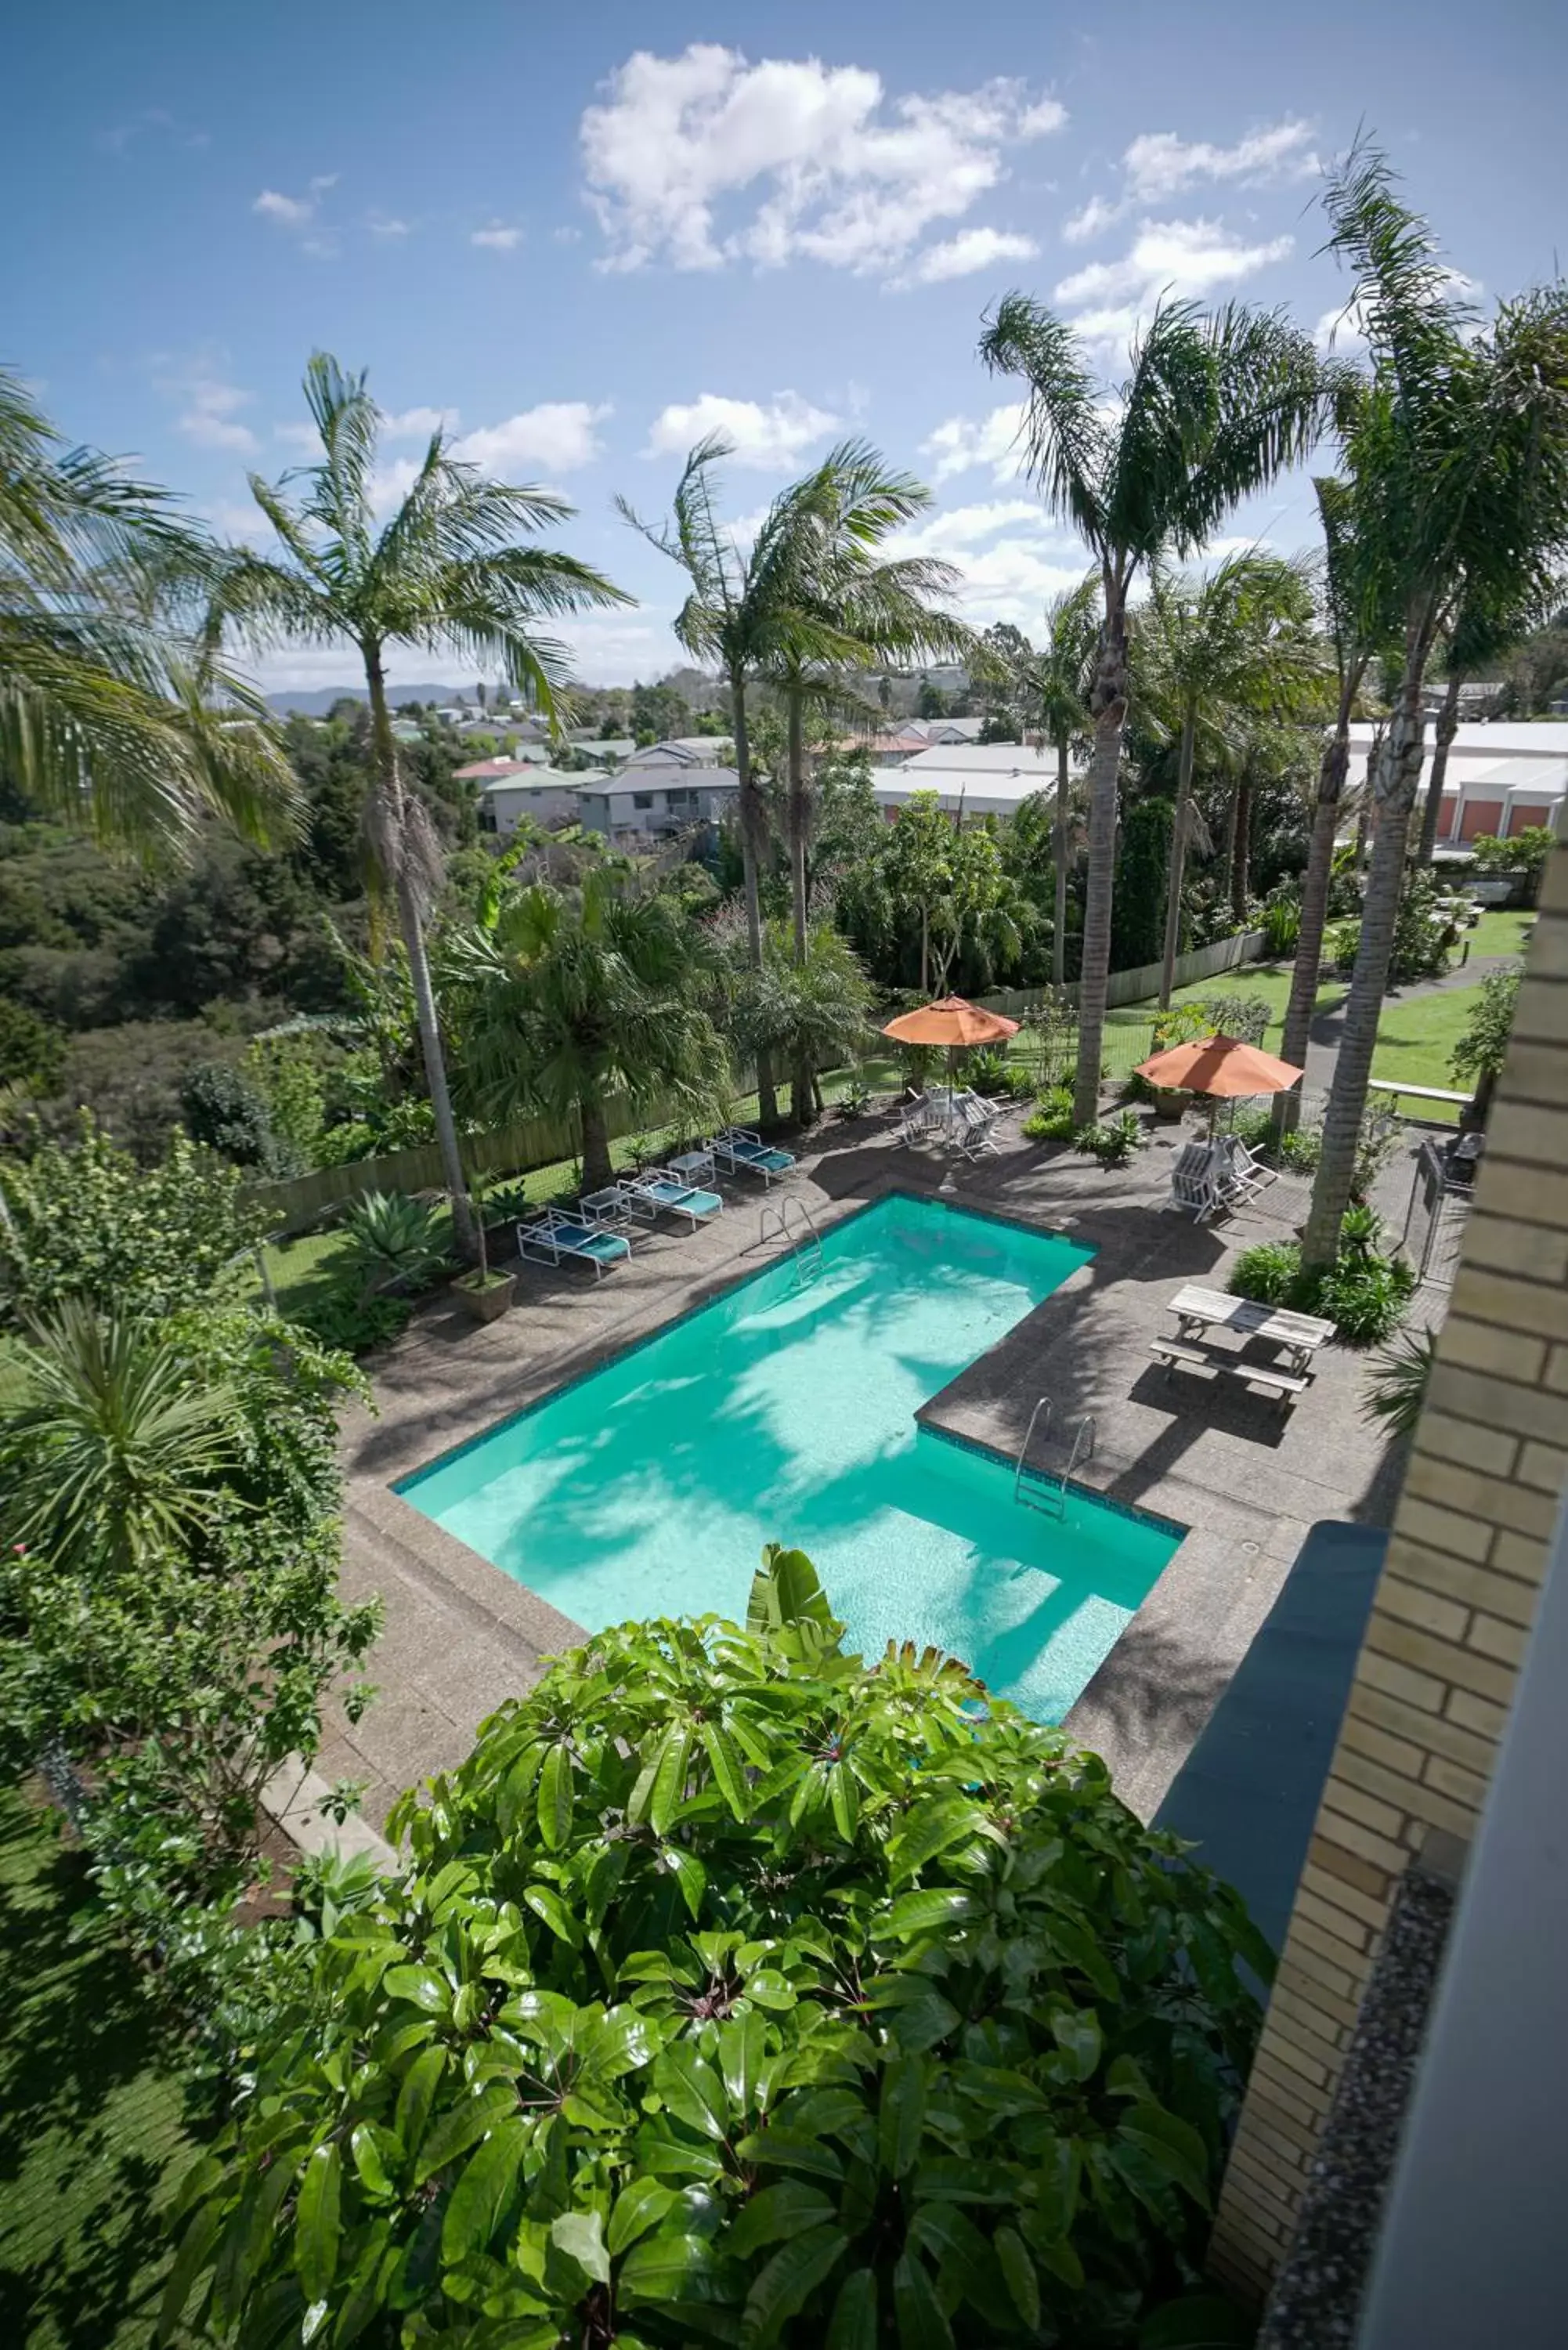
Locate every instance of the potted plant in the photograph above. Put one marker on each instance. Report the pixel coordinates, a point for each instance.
(482, 1294)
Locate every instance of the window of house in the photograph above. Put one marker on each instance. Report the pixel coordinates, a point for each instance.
(642, 799)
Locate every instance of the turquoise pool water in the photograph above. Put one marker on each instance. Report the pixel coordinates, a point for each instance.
(786, 1413)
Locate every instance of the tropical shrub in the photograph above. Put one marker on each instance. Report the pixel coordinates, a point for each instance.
(1364, 1295)
(1524, 852)
(1483, 1045)
(1281, 922)
(1266, 1273)
(1113, 1142)
(1398, 1382)
(1052, 1121)
(740, 1993)
(1301, 1150)
(83, 1220)
(394, 1241)
(1423, 933)
(1244, 1017)
(1341, 941)
(344, 1318)
(987, 1071)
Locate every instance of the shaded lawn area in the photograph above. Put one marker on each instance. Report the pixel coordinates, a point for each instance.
(93, 2115)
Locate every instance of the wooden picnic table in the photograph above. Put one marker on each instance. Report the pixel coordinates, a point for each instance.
(1198, 1310)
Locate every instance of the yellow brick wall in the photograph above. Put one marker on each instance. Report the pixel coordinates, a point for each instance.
(1450, 1618)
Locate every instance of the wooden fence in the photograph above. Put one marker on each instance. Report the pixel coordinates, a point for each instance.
(298, 1201)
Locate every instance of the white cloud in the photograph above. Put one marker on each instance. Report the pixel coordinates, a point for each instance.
(209, 419)
(814, 162)
(297, 436)
(1090, 219)
(964, 441)
(417, 423)
(1179, 260)
(1012, 558)
(239, 519)
(769, 436)
(1158, 165)
(386, 224)
(957, 529)
(497, 237)
(297, 211)
(556, 437)
(971, 249)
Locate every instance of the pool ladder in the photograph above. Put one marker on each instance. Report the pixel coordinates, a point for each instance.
(808, 1247)
(1045, 1490)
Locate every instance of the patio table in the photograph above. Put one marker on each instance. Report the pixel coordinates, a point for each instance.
(1200, 1310)
(691, 1164)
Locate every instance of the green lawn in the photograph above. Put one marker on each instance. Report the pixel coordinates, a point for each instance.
(92, 2118)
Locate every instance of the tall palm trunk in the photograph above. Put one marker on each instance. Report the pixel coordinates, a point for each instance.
(1110, 717)
(753, 845)
(410, 920)
(597, 1171)
(1333, 768)
(1442, 740)
(1399, 777)
(1240, 845)
(1059, 878)
(1178, 859)
(799, 818)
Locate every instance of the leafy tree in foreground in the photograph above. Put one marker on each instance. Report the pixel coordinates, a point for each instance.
(738, 1993)
(109, 718)
(1214, 408)
(443, 574)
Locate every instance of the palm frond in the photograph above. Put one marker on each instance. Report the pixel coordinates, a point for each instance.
(1067, 440)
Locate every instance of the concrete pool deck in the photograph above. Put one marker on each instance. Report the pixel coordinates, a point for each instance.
(1246, 1479)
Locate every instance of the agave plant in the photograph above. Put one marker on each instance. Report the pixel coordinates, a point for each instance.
(1396, 1388)
(398, 1243)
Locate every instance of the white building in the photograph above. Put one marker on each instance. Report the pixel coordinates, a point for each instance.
(1501, 777)
(686, 751)
(969, 778)
(510, 789)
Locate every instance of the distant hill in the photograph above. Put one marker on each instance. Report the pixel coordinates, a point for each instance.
(315, 702)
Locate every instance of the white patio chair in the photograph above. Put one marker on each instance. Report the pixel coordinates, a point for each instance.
(1194, 1182)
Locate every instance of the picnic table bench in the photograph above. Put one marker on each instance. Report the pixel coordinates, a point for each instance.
(1395, 1087)
(1198, 1310)
(1285, 1384)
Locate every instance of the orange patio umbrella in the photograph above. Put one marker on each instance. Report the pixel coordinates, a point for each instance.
(953, 1022)
(1221, 1067)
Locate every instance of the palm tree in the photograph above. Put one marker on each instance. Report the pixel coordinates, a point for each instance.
(443, 574)
(566, 994)
(1480, 633)
(1211, 651)
(1057, 683)
(1458, 459)
(856, 611)
(107, 720)
(810, 1014)
(742, 604)
(1214, 408)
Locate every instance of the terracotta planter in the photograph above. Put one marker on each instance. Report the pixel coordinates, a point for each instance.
(1171, 1103)
(487, 1305)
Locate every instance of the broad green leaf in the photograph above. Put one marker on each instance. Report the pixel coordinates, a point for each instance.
(623, 2042)
(581, 2236)
(783, 2286)
(926, 1912)
(923, 2022)
(548, 1905)
(484, 2190)
(691, 2088)
(786, 2210)
(688, 1873)
(249, 2239)
(787, 2152)
(729, 1770)
(195, 2252)
(1173, 2144)
(461, 2126)
(771, 1989)
(377, 2154)
(1057, 2202)
(1063, 2262)
(640, 2206)
(901, 2118)
(931, 1828)
(854, 2325)
(1079, 1948)
(669, 1778)
(1018, 2270)
(422, 1985)
(414, 2097)
(556, 1797)
(665, 2267)
(921, 2323)
(1076, 2032)
(316, 2224)
(844, 1794)
(742, 2047)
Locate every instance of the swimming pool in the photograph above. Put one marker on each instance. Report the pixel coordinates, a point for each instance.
(783, 1411)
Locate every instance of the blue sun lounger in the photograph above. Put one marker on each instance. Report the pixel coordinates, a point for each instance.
(556, 1237)
(739, 1148)
(655, 1193)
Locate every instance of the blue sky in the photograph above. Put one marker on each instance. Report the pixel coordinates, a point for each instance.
(588, 233)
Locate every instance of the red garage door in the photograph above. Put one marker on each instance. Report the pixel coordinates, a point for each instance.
(1480, 816)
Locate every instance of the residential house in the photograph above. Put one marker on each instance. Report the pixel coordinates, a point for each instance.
(510, 789)
(654, 802)
(686, 751)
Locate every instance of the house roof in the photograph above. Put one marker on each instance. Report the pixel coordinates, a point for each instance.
(983, 758)
(977, 790)
(1498, 739)
(518, 775)
(660, 779)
